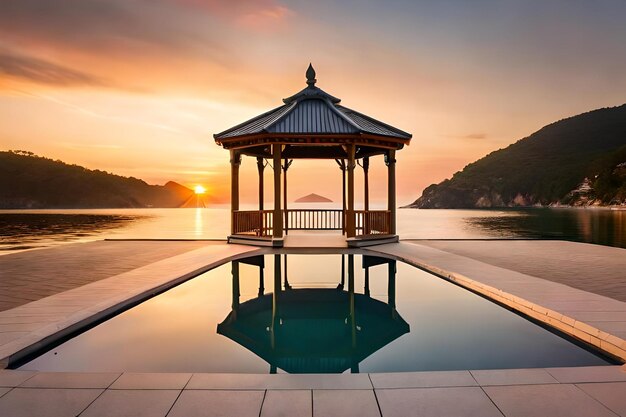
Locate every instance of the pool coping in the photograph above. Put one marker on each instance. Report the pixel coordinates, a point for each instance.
(53, 318)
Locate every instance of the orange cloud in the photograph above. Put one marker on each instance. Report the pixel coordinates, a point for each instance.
(265, 19)
(44, 72)
(263, 15)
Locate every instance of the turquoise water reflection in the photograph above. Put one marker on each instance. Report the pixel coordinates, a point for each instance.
(313, 314)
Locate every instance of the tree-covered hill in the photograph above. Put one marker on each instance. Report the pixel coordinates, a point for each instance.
(30, 181)
(580, 160)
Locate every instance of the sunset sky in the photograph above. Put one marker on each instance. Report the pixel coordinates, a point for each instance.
(138, 87)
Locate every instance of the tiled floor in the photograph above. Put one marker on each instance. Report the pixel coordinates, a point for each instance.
(594, 268)
(486, 393)
(555, 400)
(32, 275)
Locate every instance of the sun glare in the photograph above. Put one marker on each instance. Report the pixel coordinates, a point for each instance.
(199, 189)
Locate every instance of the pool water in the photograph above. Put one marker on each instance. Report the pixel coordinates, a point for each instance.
(332, 313)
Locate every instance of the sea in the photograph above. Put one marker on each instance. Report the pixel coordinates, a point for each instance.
(29, 229)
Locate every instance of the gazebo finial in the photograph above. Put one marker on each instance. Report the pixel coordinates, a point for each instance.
(310, 75)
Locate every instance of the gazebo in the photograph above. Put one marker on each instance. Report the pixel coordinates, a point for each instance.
(312, 124)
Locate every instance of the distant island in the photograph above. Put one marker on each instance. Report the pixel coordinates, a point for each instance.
(578, 161)
(33, 182)
(313, 198)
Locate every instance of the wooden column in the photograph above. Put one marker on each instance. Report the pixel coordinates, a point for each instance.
(366, 194)
(342, 167)
(286, 166)
(390, 161)
(235, 161)
(366, 183)
(350, 220)
(260, 164)
(343, 193)
(278, 213)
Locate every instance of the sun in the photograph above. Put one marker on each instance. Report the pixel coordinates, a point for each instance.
(199, 189)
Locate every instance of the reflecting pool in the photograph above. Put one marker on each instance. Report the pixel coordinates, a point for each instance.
(314, 314)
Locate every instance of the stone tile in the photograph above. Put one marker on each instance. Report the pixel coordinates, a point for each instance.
(513, 377)
(132, 403)
(228, 381)
(284, 403)
(344, 403)
(30, 402)
(4, 390)
(131, 380)
(9, 378)
(279, 381)
(555, 400)
(214, 403)
(70, 380)
(588, 374)
(436, 402)
(611, 394)
(423, 379)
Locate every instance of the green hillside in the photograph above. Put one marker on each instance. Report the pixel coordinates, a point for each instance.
(30, 181)
(545, 167)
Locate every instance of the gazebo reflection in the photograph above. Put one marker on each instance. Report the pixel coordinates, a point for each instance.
(313, 330)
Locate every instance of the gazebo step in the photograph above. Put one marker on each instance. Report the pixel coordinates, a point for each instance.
(256, 241)
(370, 240)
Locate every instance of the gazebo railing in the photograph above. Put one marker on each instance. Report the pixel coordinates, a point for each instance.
(253, 222)
(261, 222)
(314, 219)
(372, 222)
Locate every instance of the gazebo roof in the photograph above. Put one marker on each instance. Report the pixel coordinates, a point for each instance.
(313, 113)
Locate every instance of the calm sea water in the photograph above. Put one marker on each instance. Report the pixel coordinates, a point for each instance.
(409, 321)
(23, 229)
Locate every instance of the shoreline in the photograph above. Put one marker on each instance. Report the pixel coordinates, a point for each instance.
(592, 207)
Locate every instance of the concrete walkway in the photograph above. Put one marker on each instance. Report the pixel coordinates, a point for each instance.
(31, 275)
(594, 268)
(570, 392)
